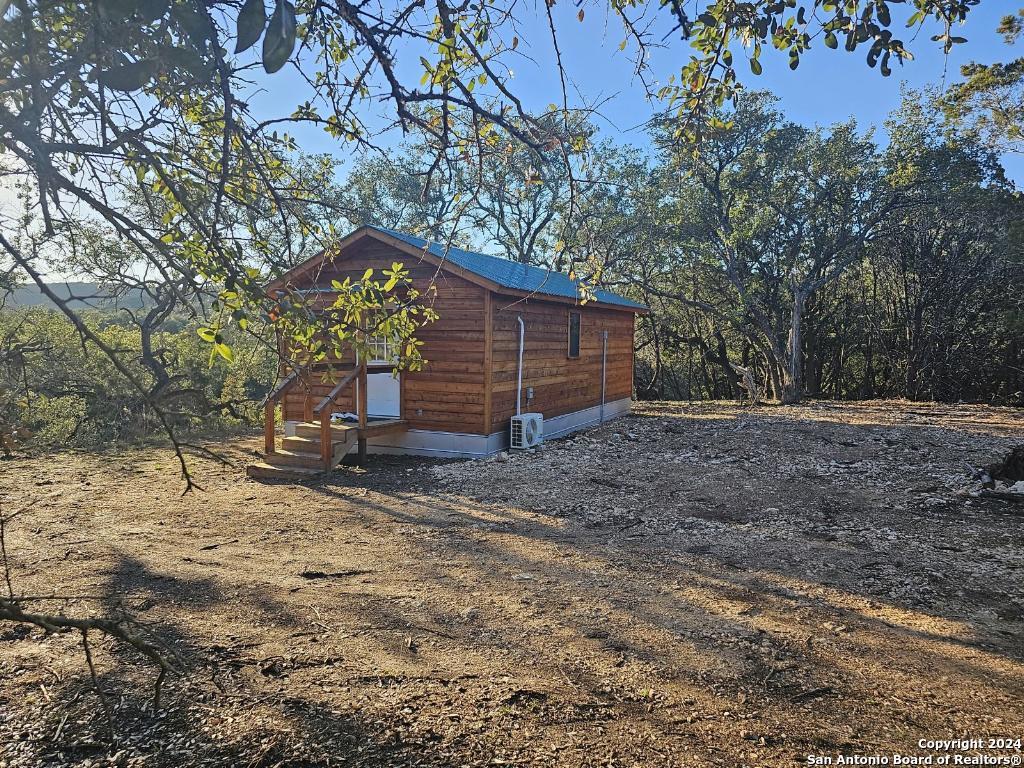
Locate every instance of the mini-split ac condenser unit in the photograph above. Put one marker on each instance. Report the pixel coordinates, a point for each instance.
(527, 430)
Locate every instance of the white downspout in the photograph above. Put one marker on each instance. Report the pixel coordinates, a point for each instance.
(519, 374)
(604, 368)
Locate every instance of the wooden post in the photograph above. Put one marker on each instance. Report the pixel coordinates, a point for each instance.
(326, 443)
(268, 427)
(307, 403)
(362, 406)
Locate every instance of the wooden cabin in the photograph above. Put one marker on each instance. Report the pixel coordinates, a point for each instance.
(576, 366)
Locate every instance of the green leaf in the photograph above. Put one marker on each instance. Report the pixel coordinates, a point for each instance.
(225, 351)
(251, 21)
(831, 41)
(279, 42)
(755, 66)
(129, 77)
(206, 334)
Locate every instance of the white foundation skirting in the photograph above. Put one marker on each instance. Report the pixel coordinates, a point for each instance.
(457, 445)
(460, 445)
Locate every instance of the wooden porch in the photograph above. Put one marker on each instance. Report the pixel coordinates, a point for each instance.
(320, 442)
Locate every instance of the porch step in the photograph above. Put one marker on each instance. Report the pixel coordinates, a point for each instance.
(297, 458)
(311, 431)
(311, 446)
(302, 444)
(300, 457)
(345, 430)
(264, 471)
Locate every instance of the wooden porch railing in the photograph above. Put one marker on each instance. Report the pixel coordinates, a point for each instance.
(270, 403)
(324, 411)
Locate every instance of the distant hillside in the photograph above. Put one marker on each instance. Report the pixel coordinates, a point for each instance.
(82, 295)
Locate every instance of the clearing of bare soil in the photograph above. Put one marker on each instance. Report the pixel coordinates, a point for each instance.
(691, 585)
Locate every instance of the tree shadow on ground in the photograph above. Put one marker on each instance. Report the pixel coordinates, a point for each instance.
(228, 708)
(716, 591)
(203, 727)
(505, 629)
(722, 628)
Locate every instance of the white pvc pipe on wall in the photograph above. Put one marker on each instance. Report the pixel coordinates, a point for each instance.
(519, 374)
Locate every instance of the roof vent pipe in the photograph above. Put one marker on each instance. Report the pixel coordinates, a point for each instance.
(519, 374)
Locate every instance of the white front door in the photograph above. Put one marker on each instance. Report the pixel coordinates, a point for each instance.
(383, 395)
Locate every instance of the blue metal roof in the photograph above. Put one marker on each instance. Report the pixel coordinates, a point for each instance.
(509, 274)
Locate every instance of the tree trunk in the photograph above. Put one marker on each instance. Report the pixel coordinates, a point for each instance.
(776, 375)
(722, 354)
(792, 383)
(867, 389)
(915, 353)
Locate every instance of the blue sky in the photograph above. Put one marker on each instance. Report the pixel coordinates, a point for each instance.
(828, 87)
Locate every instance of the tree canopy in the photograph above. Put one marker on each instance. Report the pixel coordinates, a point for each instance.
(135, 117)
(990, 99)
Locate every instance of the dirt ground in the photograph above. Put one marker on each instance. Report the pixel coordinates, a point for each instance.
(687, 586)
